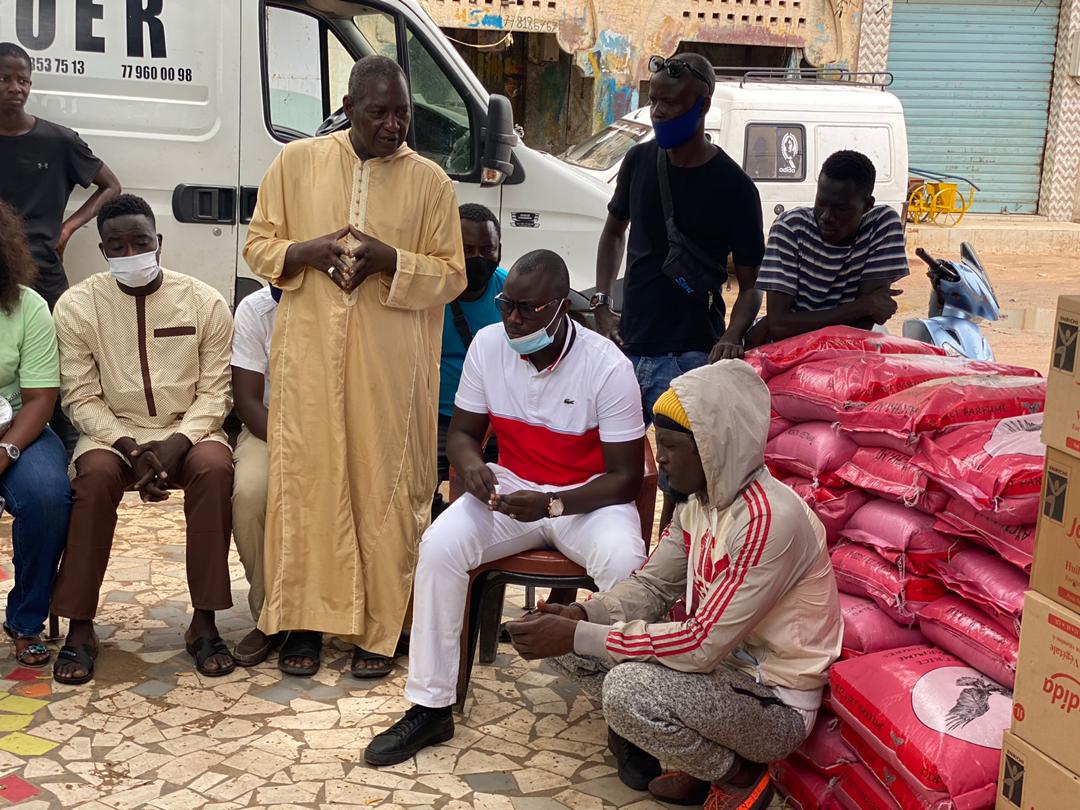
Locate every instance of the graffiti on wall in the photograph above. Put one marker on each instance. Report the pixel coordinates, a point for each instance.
(610, 41)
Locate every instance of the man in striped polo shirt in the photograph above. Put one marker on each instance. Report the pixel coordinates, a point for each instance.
(833, 264)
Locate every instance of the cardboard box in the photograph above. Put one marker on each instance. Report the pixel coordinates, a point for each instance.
(1046, 701)
(1061, 425)
(1030, 780)
(1055, 571)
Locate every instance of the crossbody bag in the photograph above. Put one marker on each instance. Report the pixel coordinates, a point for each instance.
(692, 269)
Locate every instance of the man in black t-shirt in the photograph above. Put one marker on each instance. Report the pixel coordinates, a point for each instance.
(42, 163)
(664, 330)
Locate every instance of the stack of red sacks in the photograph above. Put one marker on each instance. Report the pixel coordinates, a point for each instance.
(809, 776)
(925, 471)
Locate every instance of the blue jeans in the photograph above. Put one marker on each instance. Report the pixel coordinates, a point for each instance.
(37, 493)
(654, 374)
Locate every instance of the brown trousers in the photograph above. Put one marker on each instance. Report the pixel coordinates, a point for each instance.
(101, 477)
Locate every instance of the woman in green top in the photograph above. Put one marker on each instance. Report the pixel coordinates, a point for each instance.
(33, 463)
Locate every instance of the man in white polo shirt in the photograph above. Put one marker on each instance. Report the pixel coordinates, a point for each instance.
(253, 328)
(565, 407)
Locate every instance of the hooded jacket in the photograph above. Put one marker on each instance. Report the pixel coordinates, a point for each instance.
(748, 557)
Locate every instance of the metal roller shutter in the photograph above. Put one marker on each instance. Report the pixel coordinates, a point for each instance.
(974, 79)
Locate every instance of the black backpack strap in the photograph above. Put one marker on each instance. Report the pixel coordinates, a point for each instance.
(665, 185)
(461, 324)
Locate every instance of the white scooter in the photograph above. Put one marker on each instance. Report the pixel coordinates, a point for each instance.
(962, 297)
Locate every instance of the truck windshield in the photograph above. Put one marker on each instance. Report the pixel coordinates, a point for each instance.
(607, 147)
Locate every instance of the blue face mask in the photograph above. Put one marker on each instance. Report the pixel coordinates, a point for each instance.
(536, 341)
(677, 131)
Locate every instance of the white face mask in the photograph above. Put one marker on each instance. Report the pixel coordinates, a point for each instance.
(135, 271)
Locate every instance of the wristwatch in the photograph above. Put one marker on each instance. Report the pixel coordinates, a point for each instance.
(14, 452)
(600, 300)
(555, 506)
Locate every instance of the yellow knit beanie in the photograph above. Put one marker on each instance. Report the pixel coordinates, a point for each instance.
(668, 405)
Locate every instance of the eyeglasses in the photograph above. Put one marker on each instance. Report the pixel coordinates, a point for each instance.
(676, 68)
(524, 309)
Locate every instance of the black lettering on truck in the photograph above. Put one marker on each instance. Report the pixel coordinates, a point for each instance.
(35, 33)
(35, 26)
(86, 13)
(140, 13)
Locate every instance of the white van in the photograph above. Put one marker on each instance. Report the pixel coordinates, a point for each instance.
(780, 126)
(188, 101)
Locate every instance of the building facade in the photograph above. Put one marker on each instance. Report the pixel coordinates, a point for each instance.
(987, 94)
(585, 60)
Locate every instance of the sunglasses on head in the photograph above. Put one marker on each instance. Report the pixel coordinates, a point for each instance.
(676, 68)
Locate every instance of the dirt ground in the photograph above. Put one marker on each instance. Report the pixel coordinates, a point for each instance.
(1019, 282)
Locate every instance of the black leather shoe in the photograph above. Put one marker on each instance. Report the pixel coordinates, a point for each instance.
(419, 728)
(636, 767)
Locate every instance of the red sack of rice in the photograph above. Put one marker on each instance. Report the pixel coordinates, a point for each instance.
(754, 361)
(889, 475)
(995, 466)
(988, 582)
(900, 535)
(824, 750)
(801, 786)
(833, 507)
(811, 450)
(857, 789)
(959, 627)
(824, 389)
(907, 796)
(862, 572)
(937, 722)
(830, 343)
(933, 406)
(868, 629)
(778, 424)
(1014, 543)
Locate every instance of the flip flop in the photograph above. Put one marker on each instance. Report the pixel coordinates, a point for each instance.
(84, 656)
(363, 673)
(36, 648)
(301, 645)
(203, 648)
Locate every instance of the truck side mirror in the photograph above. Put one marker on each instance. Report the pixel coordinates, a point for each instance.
(499, 140)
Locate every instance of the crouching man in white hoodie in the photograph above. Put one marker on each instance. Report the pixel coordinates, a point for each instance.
(737, 684)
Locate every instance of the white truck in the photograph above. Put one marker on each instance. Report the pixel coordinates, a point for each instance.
(188, 101)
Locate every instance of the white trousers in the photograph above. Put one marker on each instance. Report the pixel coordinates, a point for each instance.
(607, 543)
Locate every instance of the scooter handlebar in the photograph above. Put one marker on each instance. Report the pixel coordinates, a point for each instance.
(931, 262)
(937, 269)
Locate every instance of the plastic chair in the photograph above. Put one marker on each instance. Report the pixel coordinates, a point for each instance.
(537, 568)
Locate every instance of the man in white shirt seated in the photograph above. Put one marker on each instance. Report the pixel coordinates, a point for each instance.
(253, 326)
(565, 408)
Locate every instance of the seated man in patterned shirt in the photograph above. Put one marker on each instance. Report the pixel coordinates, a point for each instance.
(144, 368)
(833, 264)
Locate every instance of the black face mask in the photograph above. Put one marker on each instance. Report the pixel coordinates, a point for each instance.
(478, 271)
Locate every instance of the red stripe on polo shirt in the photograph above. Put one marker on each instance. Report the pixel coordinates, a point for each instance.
(545, 456)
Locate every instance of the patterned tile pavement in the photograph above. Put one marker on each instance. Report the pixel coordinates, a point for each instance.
(150, 732)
